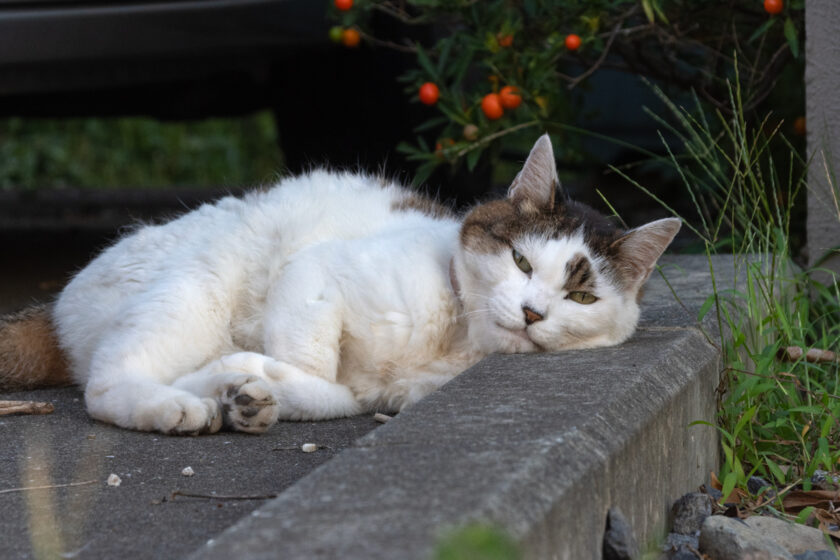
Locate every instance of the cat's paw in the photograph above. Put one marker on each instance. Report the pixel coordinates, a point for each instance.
(187, 416)
(248, 405)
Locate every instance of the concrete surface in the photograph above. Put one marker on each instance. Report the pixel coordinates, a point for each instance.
(541, 445)
(822, 54)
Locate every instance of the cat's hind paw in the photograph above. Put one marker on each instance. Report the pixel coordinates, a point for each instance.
(248, 405)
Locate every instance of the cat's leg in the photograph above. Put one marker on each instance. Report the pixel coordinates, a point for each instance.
(154, 341)
(255, 390)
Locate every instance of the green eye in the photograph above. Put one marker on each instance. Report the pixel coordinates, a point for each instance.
(521, 262)
(584, 298)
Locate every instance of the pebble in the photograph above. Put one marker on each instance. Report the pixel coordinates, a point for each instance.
(755, 485)
(619, 541)
(308, 447)
(728, 538)
(816, 555)
(689, 512)
(795, 538)
(188, 471)
(823, 480)
(114, 480)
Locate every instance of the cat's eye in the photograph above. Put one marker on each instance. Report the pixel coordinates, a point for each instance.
(521, 262)
(584, 298)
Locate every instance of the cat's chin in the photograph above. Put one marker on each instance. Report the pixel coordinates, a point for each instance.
(512, 341)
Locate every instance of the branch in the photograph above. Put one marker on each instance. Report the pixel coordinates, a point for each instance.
(387, 44)
(578, 79)
(25, 407)
(499, 134)
(25, 488)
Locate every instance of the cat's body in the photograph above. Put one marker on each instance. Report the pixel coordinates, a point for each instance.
(333, 294)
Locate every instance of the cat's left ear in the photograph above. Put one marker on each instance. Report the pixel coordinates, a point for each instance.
(536, 184)
(639, 250)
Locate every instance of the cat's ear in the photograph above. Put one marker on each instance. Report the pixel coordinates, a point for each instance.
(641, 247)
(537, 182)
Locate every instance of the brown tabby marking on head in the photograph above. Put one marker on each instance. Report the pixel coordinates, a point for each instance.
(579, 275)
(493, 226)
(421, 204)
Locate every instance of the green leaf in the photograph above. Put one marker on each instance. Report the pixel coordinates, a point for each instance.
(775, 470)
(424, 172)
(431, 123)
(728, 485)
(804, 515)
(792, 38)
(710, 301)
(762, 29)
(472, 158)
(648, 10)
(424, 61)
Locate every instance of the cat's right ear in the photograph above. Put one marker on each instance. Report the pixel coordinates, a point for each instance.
(537, 182)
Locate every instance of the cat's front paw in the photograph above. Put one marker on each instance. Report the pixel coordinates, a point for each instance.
(188, 416)
(249, 406)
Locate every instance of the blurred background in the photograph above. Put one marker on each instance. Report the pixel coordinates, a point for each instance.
(113, 113)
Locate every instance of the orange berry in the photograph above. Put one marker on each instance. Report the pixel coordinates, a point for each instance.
(510, 98)
(774, 7)
(429, 93)
(505, 40)
(573, 42)
(492, 106)
(351, 37)
(799, 127)
(343, 5)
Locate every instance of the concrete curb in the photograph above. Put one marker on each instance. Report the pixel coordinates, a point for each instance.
(541, 445)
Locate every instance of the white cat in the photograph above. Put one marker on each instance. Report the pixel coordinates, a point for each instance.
(329, 295)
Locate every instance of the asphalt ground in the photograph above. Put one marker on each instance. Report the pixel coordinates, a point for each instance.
(143, 517)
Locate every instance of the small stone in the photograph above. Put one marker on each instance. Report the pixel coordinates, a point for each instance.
(714, 493)
(308, 447)
(726, 538)
(680, 547)
(114, 480)
(689, 512)
(816, 555)
(381, 418)
(619, 541)
(824, 480)
(793, 537)
(755, 484)
(188, 471)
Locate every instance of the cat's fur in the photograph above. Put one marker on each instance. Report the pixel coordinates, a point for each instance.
(336, 293)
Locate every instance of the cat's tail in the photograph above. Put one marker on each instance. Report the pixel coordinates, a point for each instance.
(30, 356)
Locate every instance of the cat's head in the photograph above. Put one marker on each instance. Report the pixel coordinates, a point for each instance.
(536, 271)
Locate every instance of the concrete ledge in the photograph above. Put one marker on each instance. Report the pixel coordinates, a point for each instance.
(542, 445)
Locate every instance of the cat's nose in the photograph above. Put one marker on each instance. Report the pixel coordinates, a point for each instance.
(531, 316)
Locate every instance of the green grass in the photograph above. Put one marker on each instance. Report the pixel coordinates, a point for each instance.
(777, 419)
(137, 152)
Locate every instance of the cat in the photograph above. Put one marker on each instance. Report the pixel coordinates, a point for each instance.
(329, 295)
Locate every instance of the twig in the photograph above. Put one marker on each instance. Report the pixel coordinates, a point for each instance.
(25, 488)
(495, 135)
(25, 407)
(578, 79)
(219, 497)
(814, 355)
(388, 44)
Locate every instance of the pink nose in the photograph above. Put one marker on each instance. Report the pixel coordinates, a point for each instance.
(531, 316)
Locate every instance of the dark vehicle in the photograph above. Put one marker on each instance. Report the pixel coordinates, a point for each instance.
(182, 59)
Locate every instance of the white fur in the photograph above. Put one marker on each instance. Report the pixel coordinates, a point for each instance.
(311, 300)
